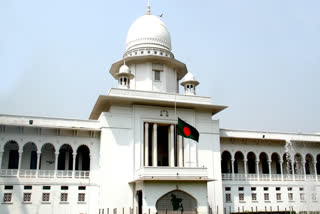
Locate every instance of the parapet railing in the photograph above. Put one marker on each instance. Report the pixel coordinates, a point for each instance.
(267, 177)
(33, 173)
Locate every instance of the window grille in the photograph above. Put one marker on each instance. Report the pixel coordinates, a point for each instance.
(241, 197)
(278, 195)
(266, 196)
(290, 196)
(81, 197)
(228, 197)
(26, 197)
(302, 197)
(7, 197)
(254, 196)
(45, 196)
(64, 197)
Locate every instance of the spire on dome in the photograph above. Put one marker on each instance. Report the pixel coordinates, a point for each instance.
(148, 8)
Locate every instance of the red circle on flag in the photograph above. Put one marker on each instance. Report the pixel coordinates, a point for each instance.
(186, 131)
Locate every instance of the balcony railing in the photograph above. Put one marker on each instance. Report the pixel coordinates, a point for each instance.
(32, 173)
(267, 177)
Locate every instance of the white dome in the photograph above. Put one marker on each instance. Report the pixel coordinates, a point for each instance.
(124, 69)
(189, 77)
(148, 31)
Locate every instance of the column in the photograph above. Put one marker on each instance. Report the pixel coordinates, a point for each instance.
(1, 155)
(74, 164)
(155, 146)
(180, 151)
(19, 165)
(56, 164)
(257, 169)
(315, 170)
(38, 162)
(281, 170)
(304, 170)
(171, 146)
(245, 167)
(146, 144)
(269, 166)
(292, 166)
(232, 168)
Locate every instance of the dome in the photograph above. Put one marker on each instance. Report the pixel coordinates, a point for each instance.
(189, 78)
(148, 31)
(124, 69)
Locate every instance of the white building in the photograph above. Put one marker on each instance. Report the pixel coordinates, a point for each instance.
(127, 157)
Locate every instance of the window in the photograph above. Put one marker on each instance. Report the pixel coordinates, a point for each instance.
(289, 188)
(228, 188)
(26, 197)
(64, 187)
(228, 197)
(253, 188)
(278, 188)
(81, 188)
(64, 197)
(265, 188)
(46, 197)
(8, 187)
(290, 196)
(301, 188)
(81, 197)
(46, 187)
(157, 75)
(7, 197)
(240, 188)
(27, 187)
(302, 197)
(266, 196)
(278, 195)
(241, 197)
(314, 196)
(254, 196)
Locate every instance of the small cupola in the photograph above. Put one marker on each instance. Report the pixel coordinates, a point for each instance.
(189, 83)
(124, 76)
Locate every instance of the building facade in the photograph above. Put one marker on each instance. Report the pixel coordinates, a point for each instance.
(127, 157)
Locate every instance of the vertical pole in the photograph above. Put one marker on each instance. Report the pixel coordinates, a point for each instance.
(146, 144)
(180, 151)
(171, 146)
(155, 146)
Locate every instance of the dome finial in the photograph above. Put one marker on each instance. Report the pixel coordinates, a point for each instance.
(148, 8)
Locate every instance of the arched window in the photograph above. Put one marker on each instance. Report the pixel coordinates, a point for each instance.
(287, 169)
(47, 158)
(264, 163)
(226, 162)
(298, 166)
(29, 156)
(251, 157)
(83, 158)
(65, 159)
(238, 163)
(318, 164)
(176, 201)
(275, 164)
(11, 155)
(309, 164)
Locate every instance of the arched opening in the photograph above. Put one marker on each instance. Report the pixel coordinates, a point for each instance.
(298, 165)
(176, 201)
(238, 163)
(275, 164)
(318, 164)
(65, 159)
(47, 158)
(83, 158)
(226, 162)
(10, 159)
(251, 157)
(29, 156)
(309, 164)
(264, 163)
(286, 165)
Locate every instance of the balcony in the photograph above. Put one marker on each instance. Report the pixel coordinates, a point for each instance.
(172, 174)
(31, 173)
(267, 177)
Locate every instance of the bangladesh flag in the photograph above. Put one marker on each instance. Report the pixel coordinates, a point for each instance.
(186, 130)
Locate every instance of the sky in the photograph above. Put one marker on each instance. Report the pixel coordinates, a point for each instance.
(259, 57)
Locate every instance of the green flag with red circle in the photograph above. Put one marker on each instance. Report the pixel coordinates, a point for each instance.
(186, 130)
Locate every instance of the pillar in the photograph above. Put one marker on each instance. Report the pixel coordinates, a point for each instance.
(38, 162)
(171, 146)
(232, 168)
(269, 165)
(257, 169)
(146, 144)
(74, 164)
(304, 170)
(155, 146)
(245, 167)
(180, 151)
(56, 163)
(315, 170)
(281, 170)
(292, 166)
(1, 156)
(19, 165)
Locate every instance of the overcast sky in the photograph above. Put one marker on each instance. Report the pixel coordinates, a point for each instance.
(259, 57)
